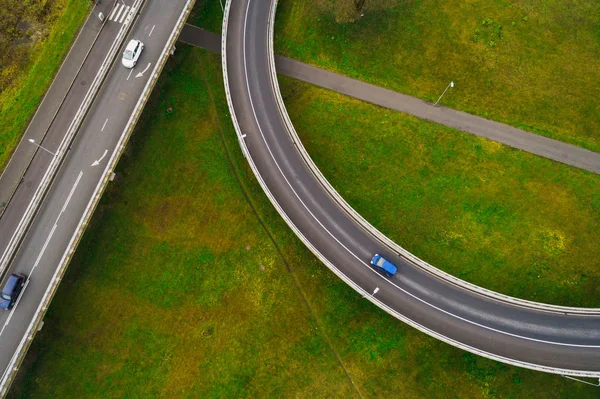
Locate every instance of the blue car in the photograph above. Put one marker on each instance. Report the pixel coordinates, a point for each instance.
(383, 265)
(12, 289)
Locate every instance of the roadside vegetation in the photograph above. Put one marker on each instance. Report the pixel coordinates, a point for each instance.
(179, 290)
(530, 63)
(35, 36)
(498, 217)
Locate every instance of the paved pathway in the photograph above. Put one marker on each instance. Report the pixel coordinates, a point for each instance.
(513, 137)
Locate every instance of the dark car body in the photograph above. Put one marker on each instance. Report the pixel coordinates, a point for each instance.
(11, 291)
(383, 265)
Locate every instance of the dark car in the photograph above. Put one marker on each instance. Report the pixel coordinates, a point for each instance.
(383, 265)
(12, 289)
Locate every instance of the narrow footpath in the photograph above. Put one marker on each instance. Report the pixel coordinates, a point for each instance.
(505, 134)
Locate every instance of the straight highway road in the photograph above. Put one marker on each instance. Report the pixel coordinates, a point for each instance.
(522, 334)
(52, 230)
(49, 126)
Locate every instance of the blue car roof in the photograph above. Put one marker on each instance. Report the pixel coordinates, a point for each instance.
(385, 265)
(390, 267)
(10, 284)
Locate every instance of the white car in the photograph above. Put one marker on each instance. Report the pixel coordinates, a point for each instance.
(132, 53)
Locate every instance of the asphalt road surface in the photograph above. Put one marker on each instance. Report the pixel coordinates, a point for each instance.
(554, 342)
(54, 226)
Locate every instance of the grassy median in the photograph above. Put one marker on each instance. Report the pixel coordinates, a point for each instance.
(19, 102)
(178, 289)
(529, 63)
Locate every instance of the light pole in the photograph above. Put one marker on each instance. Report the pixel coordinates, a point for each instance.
(447, 87)
(32, 141)
(222, 8)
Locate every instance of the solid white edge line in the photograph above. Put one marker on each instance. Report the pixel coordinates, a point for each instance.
(72, 191)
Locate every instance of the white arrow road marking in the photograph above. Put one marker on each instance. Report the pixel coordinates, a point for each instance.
(100, 160)
(139, 75)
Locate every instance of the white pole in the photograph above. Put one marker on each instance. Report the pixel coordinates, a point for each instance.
(32, 141)
(447, 87)
(222, 8)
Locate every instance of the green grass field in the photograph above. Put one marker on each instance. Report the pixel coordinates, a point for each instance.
(18, 103)
(529, 63)
(178, 290)
(492, 215)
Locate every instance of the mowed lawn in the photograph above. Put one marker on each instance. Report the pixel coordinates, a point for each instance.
(492, 215)
(19, 102)
(533, 64)
(177, 289)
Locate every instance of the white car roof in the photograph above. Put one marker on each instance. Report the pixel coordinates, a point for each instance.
(131, 45)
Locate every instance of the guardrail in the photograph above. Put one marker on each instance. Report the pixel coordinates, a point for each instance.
(363, 223)
(65, 144)
(33, 327)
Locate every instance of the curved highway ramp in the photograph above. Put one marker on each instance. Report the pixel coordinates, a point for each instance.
(537, 336)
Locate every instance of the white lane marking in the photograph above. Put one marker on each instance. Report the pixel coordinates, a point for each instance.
(112, 13)
(100, 160)
(130, 72)
(151, 30)
(119, 12)
(103, 126)
(71, 193)
(124, 15)
(356, 256)
(139, 75)
(37, 261)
